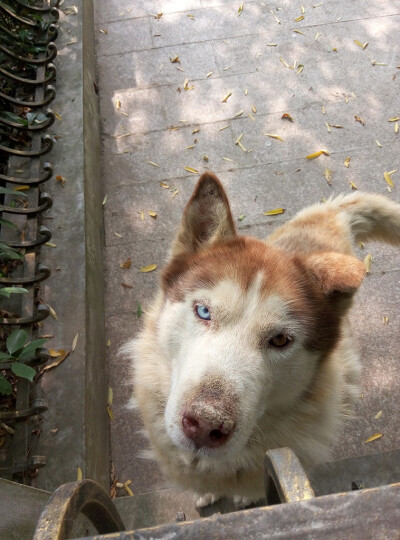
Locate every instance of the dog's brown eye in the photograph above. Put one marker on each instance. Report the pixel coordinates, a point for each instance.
(280, 340)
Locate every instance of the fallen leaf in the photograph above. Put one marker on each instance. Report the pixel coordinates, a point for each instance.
(274, 212)
(396, 127)
(298, 32)
(227, 159)
(254, 110)
(239, 138)
(126, 286)
(175, 60)
(353, 186)
(164, 185)
(152, 163)
(228, 95)
(141, 213)
(328, 127)
(224, 127)
(385, 319)
(191, 170)
(358, 119)
(175, 192)
(209, 74)
(59, 117)
(21, 188)
(251, 117)
(128, 489)
(336, 126)
(54, 430)
(126, 264)
(108, 342)
(367, 263)
(272, 136)
(272, 44)
(118, 235)
(103, 31)
(378, 143)
(286, 116)
(299, 69)
(347, 162)
(317, 154)
(152, 213)
(148, 268)
(241, 217)
(375, 63)
(61, 179)
(328, 175)
(299, 18)
(79, 474)
(240, 9)
(191, 17)
(158, 16)
(74, 342)
(395, 119)
(373, 437)
(378, 415)
(56, 353)
(52, 312)
(118, 104)
(284, 62)
(56, 362)
(388, 179)
(104, 200)
(239, 114)
(317, 36)
(362, 45)
(50, 244)
(139, 311)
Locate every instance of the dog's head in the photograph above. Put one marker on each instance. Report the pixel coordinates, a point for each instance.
(245, 325)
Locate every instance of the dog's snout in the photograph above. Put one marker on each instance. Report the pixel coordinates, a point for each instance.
(207, 430)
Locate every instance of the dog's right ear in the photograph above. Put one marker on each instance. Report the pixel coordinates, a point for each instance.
(207, 218)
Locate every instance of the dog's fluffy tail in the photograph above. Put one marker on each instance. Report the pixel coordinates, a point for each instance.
(370, 217)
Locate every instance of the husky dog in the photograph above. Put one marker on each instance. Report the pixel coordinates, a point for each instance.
(247, 346)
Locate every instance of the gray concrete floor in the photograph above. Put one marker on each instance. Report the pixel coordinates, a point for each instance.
(149, 116)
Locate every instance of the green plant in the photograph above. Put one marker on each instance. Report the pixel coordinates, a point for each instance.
(18, 352)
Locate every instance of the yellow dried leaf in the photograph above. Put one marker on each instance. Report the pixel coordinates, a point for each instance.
(104, 200)
(74, 342)
(396, 127)
(128, 489)
(317, 154)
(302, 10)
(284, 62)
(375, 63)
(152, 163)
(191, 17)
(298, 32)
(224, 127)
(274, 212)
(56, 362)
(367, 263)
(118, 235)
(209, 74)
(362, 45)
(126, 264)
(385, 319)
(373, 437)
(141, 213)
(58, 116)
(103, 31)
(55, 354)
(388, 179)
(239, 113)
(240, 9)
(251, 117)
(336, 126)
(286, 116)
(299, 18)
(328, 127)
(239, 138)
(118, 104)
(191, 170)
(378, 415)
(228, 95)
(347, 162)
(358, 119)
(175, 192)
(253, 108)
(395, 119)
(164, 185)
(61, 179)
(110, 396)
(148, 268)
(299, 69)
(272, 44)
(175, 60)
(323, 109)
(240, 145)
(353, 186)
(50, 244)
(317, 36)
(108, 342)
(52, 312)
(22, 188)
(79, 474)
(227, 159)
(272, 136)
(378, 143)
(152, 213)
(328, 175)
(110, 413)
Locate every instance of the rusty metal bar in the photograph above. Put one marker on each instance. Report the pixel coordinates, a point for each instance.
(285, 478)
(68, 501)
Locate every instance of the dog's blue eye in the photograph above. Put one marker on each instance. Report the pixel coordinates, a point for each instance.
(203, 312)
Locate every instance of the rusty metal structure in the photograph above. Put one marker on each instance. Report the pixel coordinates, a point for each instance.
(27, 33)
(291, 511)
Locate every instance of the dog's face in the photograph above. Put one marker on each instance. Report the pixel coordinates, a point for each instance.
(244, 326)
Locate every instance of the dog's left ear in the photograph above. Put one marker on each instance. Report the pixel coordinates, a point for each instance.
(207, 218)
(334, 272)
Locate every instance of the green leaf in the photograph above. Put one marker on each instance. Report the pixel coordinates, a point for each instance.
(12, 192)
(5, 386)
(22, 370)
(11, 255)
(4, 356)
(29, 350)
(16, 340)
(139, 310)
(8, 223)
(6, 291)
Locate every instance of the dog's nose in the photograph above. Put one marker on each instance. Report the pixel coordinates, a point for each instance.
(204, 433)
